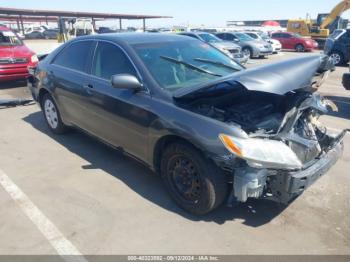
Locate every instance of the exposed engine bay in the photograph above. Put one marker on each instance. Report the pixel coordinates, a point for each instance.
(292, 118)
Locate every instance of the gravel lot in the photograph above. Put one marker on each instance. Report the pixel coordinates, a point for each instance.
(105, 203)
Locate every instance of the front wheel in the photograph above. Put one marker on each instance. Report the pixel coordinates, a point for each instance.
(247, 52)
(299, 48)
(52, 115)
(196, 184)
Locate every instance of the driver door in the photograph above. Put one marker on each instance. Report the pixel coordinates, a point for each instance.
(117, 116)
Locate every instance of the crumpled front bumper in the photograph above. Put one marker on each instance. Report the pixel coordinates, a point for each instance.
(284, 187)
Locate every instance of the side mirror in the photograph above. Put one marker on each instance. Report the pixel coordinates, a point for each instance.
(346, 81)
(126, 81)
(236, 40)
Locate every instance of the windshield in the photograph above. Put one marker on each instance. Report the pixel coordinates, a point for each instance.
(336, 34)
(244, 37)
(209, 38)
(252, 35)
(182, 64)
(8, 38)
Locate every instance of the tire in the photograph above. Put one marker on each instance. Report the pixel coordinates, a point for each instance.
(196, 184)
(247, 52)
(337, 58)
(52, 115)
(300, 48)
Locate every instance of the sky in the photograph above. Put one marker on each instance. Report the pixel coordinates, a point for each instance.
(186, 12)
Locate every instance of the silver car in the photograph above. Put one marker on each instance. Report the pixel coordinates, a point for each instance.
(231, 49)
(250, 47)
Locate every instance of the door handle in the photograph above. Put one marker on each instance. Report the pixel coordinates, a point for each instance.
(88, 88)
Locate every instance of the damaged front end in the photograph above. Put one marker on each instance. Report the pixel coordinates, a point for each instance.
(285, 147)
(284, 173)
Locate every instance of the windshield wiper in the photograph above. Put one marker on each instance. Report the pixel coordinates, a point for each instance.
(193, 67)
(216, 63)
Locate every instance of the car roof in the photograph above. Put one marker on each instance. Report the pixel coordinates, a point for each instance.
(137, 38)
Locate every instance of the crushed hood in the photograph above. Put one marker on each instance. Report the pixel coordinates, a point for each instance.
(278, 78)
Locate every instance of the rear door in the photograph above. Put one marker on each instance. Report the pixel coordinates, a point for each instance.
(68, 72)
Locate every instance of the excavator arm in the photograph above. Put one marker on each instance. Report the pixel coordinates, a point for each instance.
(338, 10)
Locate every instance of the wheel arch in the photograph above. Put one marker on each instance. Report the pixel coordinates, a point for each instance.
(42, 92)
(165, 141)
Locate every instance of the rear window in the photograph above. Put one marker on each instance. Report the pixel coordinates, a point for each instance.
(74, 56)
(8, 38)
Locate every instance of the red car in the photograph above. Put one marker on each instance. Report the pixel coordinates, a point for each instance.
(15, 57)
(295, 42)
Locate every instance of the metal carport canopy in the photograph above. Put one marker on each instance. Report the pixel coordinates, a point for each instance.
(33, 12)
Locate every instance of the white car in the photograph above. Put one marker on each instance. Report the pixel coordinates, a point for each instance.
(276, 45)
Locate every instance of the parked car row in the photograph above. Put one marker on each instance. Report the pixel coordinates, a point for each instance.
(231, 49)
(47, 34)
(250, 47)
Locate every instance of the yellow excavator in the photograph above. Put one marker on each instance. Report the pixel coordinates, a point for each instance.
(324, 26)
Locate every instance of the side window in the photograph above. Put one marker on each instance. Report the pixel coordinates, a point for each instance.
(74, 56)
(347, 34)
(286, 36)
(110, 60)
(230, 37)
(253, 35)
(221, 36)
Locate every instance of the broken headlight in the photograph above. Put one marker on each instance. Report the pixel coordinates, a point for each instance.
(262, 153)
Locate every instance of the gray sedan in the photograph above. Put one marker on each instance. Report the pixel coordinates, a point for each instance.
(214, 131)
(250, 47)
(231, 49)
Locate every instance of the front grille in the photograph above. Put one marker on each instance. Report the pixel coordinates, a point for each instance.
(13, 60)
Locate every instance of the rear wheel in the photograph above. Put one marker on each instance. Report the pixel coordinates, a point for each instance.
(195, 183)
(299, 48)
(337, 58)
(52, 115)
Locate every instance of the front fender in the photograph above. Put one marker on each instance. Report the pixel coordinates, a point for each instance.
(202, 132)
